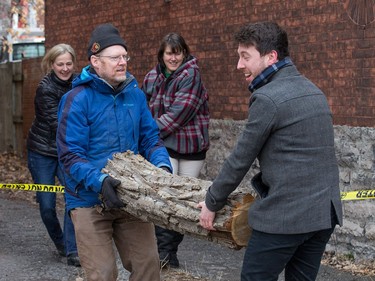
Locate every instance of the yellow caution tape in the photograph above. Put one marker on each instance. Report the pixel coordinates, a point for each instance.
(33, 187)
(358, 195)
(345, 195)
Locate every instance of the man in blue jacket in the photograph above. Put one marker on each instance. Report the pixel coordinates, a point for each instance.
(289, 129)
(105, 113)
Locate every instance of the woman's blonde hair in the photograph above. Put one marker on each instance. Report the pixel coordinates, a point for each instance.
(57, 50)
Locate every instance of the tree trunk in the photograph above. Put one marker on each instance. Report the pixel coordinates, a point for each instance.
(170, 201)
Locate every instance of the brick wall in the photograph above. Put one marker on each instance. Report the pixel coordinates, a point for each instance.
(326, 45)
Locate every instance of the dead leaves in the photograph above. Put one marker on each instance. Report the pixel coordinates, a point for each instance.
(349, 264)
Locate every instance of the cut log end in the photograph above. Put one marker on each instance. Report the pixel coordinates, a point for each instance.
(240, 228)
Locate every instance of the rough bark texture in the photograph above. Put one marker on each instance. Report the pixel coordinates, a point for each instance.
(170, 201)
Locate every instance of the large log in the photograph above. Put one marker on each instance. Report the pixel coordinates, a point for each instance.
(170, 201)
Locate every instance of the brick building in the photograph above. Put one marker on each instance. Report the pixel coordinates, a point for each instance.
(331, 42)
(4, 17)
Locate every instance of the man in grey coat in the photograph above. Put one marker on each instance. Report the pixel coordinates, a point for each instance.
(290, 130)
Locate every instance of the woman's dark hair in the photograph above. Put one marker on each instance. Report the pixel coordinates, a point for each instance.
(265, 37)
(177, 44)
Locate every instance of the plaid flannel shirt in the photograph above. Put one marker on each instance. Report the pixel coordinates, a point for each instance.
(179, 105)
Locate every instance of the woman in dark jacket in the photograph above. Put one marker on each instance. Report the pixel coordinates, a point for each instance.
(59, 64)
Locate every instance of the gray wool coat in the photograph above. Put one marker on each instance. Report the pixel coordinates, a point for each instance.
(289, 129)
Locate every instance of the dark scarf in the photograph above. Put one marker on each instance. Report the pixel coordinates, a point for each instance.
(263, 78)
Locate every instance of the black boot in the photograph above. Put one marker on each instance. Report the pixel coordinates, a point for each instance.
(168, 242)
(173, 260)
(61, 250)
(73, 260)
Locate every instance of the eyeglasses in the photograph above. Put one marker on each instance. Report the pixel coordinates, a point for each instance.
(116, 59)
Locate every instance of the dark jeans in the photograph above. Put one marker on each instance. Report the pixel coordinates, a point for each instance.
(267, 255)
(168, 240)
(44, 170)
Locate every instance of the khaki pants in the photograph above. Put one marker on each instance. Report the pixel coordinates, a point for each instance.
(135, 242)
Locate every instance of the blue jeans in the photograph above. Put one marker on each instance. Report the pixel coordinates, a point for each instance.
(267, 255)
(44, 170)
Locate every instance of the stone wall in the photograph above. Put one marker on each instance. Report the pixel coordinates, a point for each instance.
(356, 157)
(355, 152)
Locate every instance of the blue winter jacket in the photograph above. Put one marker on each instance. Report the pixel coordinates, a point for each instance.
(94, 122)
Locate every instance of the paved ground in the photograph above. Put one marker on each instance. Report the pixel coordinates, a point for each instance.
(27, 253)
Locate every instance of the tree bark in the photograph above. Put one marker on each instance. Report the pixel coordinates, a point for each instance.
(170, 201)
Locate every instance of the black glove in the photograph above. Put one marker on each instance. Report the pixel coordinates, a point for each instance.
(166, 169)
(109, 193)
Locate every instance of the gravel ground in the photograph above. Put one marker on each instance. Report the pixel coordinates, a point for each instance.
(27, 253)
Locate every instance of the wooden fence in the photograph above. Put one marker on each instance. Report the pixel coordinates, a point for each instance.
(11, 135)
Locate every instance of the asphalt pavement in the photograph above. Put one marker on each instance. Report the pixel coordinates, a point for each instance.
(27, 253)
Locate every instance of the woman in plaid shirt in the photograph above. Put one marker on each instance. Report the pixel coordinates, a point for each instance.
(179, 103)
